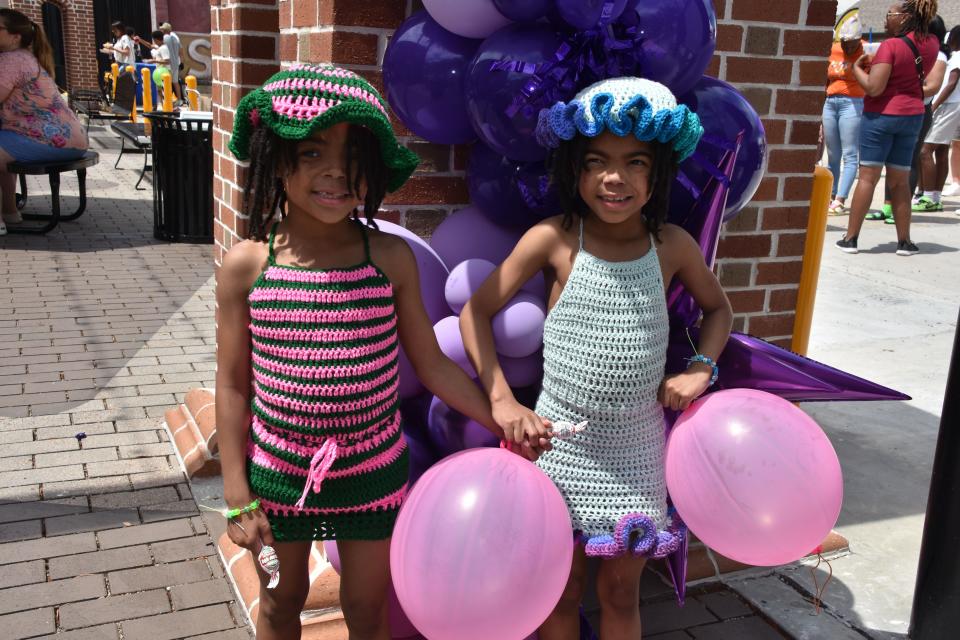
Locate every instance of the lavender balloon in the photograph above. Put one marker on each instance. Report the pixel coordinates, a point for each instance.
(433, 272)
(464, 279)
(424, 70)
(501, 71)
(467, 18)
(518, 327)
(451, 431)
(522, 372)
(724, 113)
(523, 10)
(451, 343)
(589, 14)
(676, 39)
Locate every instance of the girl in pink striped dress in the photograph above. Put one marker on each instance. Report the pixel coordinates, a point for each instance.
(311, 312)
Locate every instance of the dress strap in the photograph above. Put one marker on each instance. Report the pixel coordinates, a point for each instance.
(581, 232)
(271, 259)
(366, 241)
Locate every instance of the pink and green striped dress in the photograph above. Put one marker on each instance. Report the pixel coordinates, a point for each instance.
(325, 455)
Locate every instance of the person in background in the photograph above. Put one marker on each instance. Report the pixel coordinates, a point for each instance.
(172, 42)
(946, 120)
(930, 87)
(954, 188)
(123, 46)
(37, 124)
(843, 109)
(892, 116)
(161, 58)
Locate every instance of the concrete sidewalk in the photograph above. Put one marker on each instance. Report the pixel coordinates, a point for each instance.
(892, 320)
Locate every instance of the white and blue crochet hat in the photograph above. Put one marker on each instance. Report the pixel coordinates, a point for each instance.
(623, 106)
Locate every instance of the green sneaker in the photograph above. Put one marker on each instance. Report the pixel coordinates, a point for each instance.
(885, 213)
(926, 205)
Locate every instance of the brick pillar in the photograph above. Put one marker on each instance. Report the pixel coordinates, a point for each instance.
(775, 54)
(243, 36)
(79, 40)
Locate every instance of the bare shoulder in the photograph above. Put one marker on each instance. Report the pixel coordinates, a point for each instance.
(392, 254)
(242, 265)
(675, 238)
(548, 235)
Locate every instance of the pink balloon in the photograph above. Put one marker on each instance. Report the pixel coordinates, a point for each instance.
(468, 233)
(467, 18)
(400, 625)
(455, 575)
(753, 476)
(518, 327)
(464, 280)
(451, 343)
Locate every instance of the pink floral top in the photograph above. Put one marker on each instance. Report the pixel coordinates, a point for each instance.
(33, 107)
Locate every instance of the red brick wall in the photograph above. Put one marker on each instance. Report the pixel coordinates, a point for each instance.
(80, 46)
(774, 51)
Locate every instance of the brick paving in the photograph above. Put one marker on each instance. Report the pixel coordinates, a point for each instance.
(102, 328)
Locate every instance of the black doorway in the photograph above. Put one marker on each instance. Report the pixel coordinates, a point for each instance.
(53, 26)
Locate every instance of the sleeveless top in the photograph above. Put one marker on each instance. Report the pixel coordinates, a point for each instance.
(325, 453)
(604, 354)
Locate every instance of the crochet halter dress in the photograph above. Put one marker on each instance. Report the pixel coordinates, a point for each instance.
(604, 353)
(325, 455)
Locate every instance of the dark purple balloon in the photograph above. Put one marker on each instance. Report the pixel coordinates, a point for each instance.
(678, 38)
(523, 10)
(511, 194)
(589, 14)
(724, 113)
(504, 125)
(413, 422)
(748, 362)
(424, 71)
(451, 431)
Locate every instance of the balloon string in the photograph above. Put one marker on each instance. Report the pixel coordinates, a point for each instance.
(818, 590)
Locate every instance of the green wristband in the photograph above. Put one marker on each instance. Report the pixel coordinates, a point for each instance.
(253, 506)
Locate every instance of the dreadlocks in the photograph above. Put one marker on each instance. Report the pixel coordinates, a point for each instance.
(920, 13)
(566, 165)
(273, 157)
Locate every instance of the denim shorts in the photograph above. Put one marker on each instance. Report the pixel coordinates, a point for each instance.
(888, 140)
(24, 149)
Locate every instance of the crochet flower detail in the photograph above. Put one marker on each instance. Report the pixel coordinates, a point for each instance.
(637, 534)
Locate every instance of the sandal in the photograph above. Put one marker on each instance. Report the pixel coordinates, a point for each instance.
(836, 208)
(876, 215)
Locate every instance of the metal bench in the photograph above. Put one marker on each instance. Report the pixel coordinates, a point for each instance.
(131, 133)
(52, 170)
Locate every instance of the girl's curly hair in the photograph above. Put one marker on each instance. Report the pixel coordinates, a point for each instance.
(566, 164)
(273, 157)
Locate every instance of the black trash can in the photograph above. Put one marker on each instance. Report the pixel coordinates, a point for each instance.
(182, 177)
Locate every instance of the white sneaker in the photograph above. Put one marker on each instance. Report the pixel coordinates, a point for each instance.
(952, 190)
(3, 228)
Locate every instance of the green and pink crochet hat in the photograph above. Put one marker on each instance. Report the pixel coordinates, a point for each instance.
(306, 97)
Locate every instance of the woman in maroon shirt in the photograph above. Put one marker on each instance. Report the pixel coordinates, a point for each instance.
(892, 116)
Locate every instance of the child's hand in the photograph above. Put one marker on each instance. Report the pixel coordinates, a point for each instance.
(522, 426)
(678, 391)
(250, 530)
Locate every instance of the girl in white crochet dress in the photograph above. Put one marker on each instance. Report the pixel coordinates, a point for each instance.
(607, 260)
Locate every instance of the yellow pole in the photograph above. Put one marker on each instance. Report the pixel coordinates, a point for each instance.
(192, 94)
(115, 73)
(812, 249)
(167, 93)
(147, 93)
(133, 109)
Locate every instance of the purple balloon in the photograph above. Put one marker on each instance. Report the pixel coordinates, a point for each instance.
(589, 14)
(505, 126)
(724, 113)
(518, 327)
(464, 280)
(451, 431)
(468, 233)
(451, 343)
(424, 70)
(511, 194)
(522, 372)
(409, 384)
(523, 10)
(677, 40)
(413, 421)
(468, 18)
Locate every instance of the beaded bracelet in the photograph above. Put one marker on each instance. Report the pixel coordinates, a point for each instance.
(253, 506)
(707, 360)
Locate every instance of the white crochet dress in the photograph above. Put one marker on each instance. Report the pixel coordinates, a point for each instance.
(604, 351)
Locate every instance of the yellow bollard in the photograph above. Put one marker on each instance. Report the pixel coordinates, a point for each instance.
(167, 93)
(147, 93)
(133, 109)
(114, 73)
(192, 95)
(812, 250)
